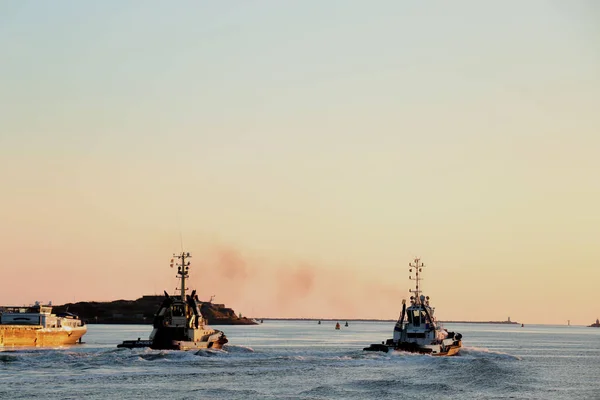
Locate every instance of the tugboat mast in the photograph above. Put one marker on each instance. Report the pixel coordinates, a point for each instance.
(417, 265)
(183, 271)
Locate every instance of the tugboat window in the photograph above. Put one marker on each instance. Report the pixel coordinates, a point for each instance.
(177, 311)
(416, 318)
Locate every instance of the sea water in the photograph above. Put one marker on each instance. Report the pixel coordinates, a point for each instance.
(304, 360)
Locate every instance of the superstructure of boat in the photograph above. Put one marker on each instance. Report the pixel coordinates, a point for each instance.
(417, 329)
(37, 326)
(178, 323)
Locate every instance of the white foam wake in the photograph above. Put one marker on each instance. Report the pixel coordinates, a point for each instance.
(474, 351)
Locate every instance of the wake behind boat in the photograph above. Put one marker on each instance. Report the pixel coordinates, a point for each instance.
(178, 323)
(37, 326)
(417, 330)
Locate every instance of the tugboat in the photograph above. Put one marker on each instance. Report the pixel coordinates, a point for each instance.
(37, 326)
(178, 323)
(420, 332)
(596, 324)
(337, 325)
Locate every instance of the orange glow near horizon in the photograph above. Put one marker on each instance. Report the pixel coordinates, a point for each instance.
(304, 155)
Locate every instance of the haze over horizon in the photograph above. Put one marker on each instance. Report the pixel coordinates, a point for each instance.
(304, 152)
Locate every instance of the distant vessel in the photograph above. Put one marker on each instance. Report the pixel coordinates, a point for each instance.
(595, 324)
(319, 323)
(37, 326)
(178, 323)
(337, 325)
(420, 332)
(346, 324)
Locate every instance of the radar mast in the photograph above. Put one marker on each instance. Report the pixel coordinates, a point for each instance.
(417, 265)
(183, 268)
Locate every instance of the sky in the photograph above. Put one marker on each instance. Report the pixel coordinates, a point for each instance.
(304, 152)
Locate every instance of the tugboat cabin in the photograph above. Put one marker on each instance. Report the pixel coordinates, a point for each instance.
(421, 327)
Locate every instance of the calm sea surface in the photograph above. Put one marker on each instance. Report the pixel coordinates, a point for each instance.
(303, 360)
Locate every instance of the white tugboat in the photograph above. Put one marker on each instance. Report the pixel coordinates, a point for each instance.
(178, 323)
(417, 330)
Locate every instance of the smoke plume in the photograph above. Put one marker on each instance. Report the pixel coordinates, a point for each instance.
(261, 287)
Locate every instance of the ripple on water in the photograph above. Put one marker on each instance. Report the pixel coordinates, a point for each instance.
(483, 352)
(260, 364)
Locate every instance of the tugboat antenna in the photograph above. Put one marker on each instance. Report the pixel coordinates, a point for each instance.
(417, 265)
(183, 271)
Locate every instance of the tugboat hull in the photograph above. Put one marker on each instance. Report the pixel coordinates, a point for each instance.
(174, 344)
(451, 351)
(433, 350)
(135, 344)
(179, 339)
(21, 335)
(183, 345)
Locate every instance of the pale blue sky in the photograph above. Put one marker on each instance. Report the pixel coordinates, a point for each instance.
(347, 133)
